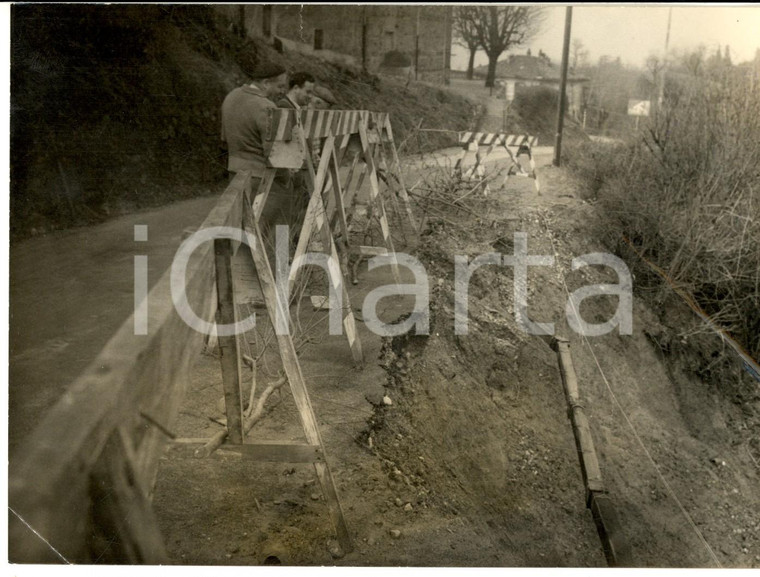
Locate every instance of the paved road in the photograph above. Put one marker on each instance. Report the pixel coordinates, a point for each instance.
(70, 291)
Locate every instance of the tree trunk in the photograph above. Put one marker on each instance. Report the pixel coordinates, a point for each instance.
(471, 63)
(241, 22)
(491, 78)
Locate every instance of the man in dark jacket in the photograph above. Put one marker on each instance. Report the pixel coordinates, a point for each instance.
(300, 86)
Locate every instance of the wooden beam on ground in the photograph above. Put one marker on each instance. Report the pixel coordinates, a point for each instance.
(263, 451)
(605, 517)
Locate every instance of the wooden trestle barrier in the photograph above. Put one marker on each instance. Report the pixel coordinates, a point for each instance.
(471, 142)
(80, 487)
(362, 135)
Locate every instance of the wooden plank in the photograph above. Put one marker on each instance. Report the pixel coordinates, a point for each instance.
(377, 202)
(338, 196)
(400, 173)
(372, 250)
(229, 345)
(262, 451)
(292, 368)
(124, 528)
(49, 474)
(592, 474)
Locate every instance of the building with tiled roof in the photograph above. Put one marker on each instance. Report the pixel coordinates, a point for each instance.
(522, 70)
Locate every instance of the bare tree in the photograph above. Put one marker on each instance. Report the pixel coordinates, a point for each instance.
(578, 54)
(500, 27)
(465, 33)
(654, 65)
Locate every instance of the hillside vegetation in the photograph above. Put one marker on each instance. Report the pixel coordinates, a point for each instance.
(116, 107)
(685, 191)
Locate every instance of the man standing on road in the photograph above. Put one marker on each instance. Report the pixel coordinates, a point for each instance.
(244, 124)
(301, 85)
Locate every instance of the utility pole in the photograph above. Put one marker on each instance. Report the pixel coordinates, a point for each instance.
(664, 62)
(417, 46)
(446, 44)
(364, 38)
(241, 21)
(562, 85)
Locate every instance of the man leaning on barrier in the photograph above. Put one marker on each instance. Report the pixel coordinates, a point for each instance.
(244, 123)
(245, 119)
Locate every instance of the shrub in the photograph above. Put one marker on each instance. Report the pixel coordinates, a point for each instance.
(396, 59)
(686, 190)
(537, 107)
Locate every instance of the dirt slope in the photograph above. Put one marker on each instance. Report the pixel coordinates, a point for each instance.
(498, 482)
(473, 462)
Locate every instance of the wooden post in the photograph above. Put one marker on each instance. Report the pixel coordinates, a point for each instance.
(562, 85)
(340, 209)
(229, 346)
(377, 201)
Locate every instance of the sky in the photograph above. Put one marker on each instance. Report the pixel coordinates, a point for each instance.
(635, 32)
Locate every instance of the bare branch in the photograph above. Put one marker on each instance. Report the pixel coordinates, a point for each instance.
(500, 27)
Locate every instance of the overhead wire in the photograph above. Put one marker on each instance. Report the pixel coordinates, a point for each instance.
(632, 427)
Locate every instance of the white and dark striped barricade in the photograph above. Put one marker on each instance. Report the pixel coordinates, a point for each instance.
(516, 145)
(379, 124)
(343, 134)
(286, 146)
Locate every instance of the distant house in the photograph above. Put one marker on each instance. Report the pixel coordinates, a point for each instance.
(363, 35)
(522, 70)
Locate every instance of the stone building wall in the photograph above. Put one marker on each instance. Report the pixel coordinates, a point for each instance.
(341, 28)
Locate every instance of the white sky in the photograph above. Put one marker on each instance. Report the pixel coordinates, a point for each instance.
(635, 32)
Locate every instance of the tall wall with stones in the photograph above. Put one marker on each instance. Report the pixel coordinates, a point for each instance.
(365, 33)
